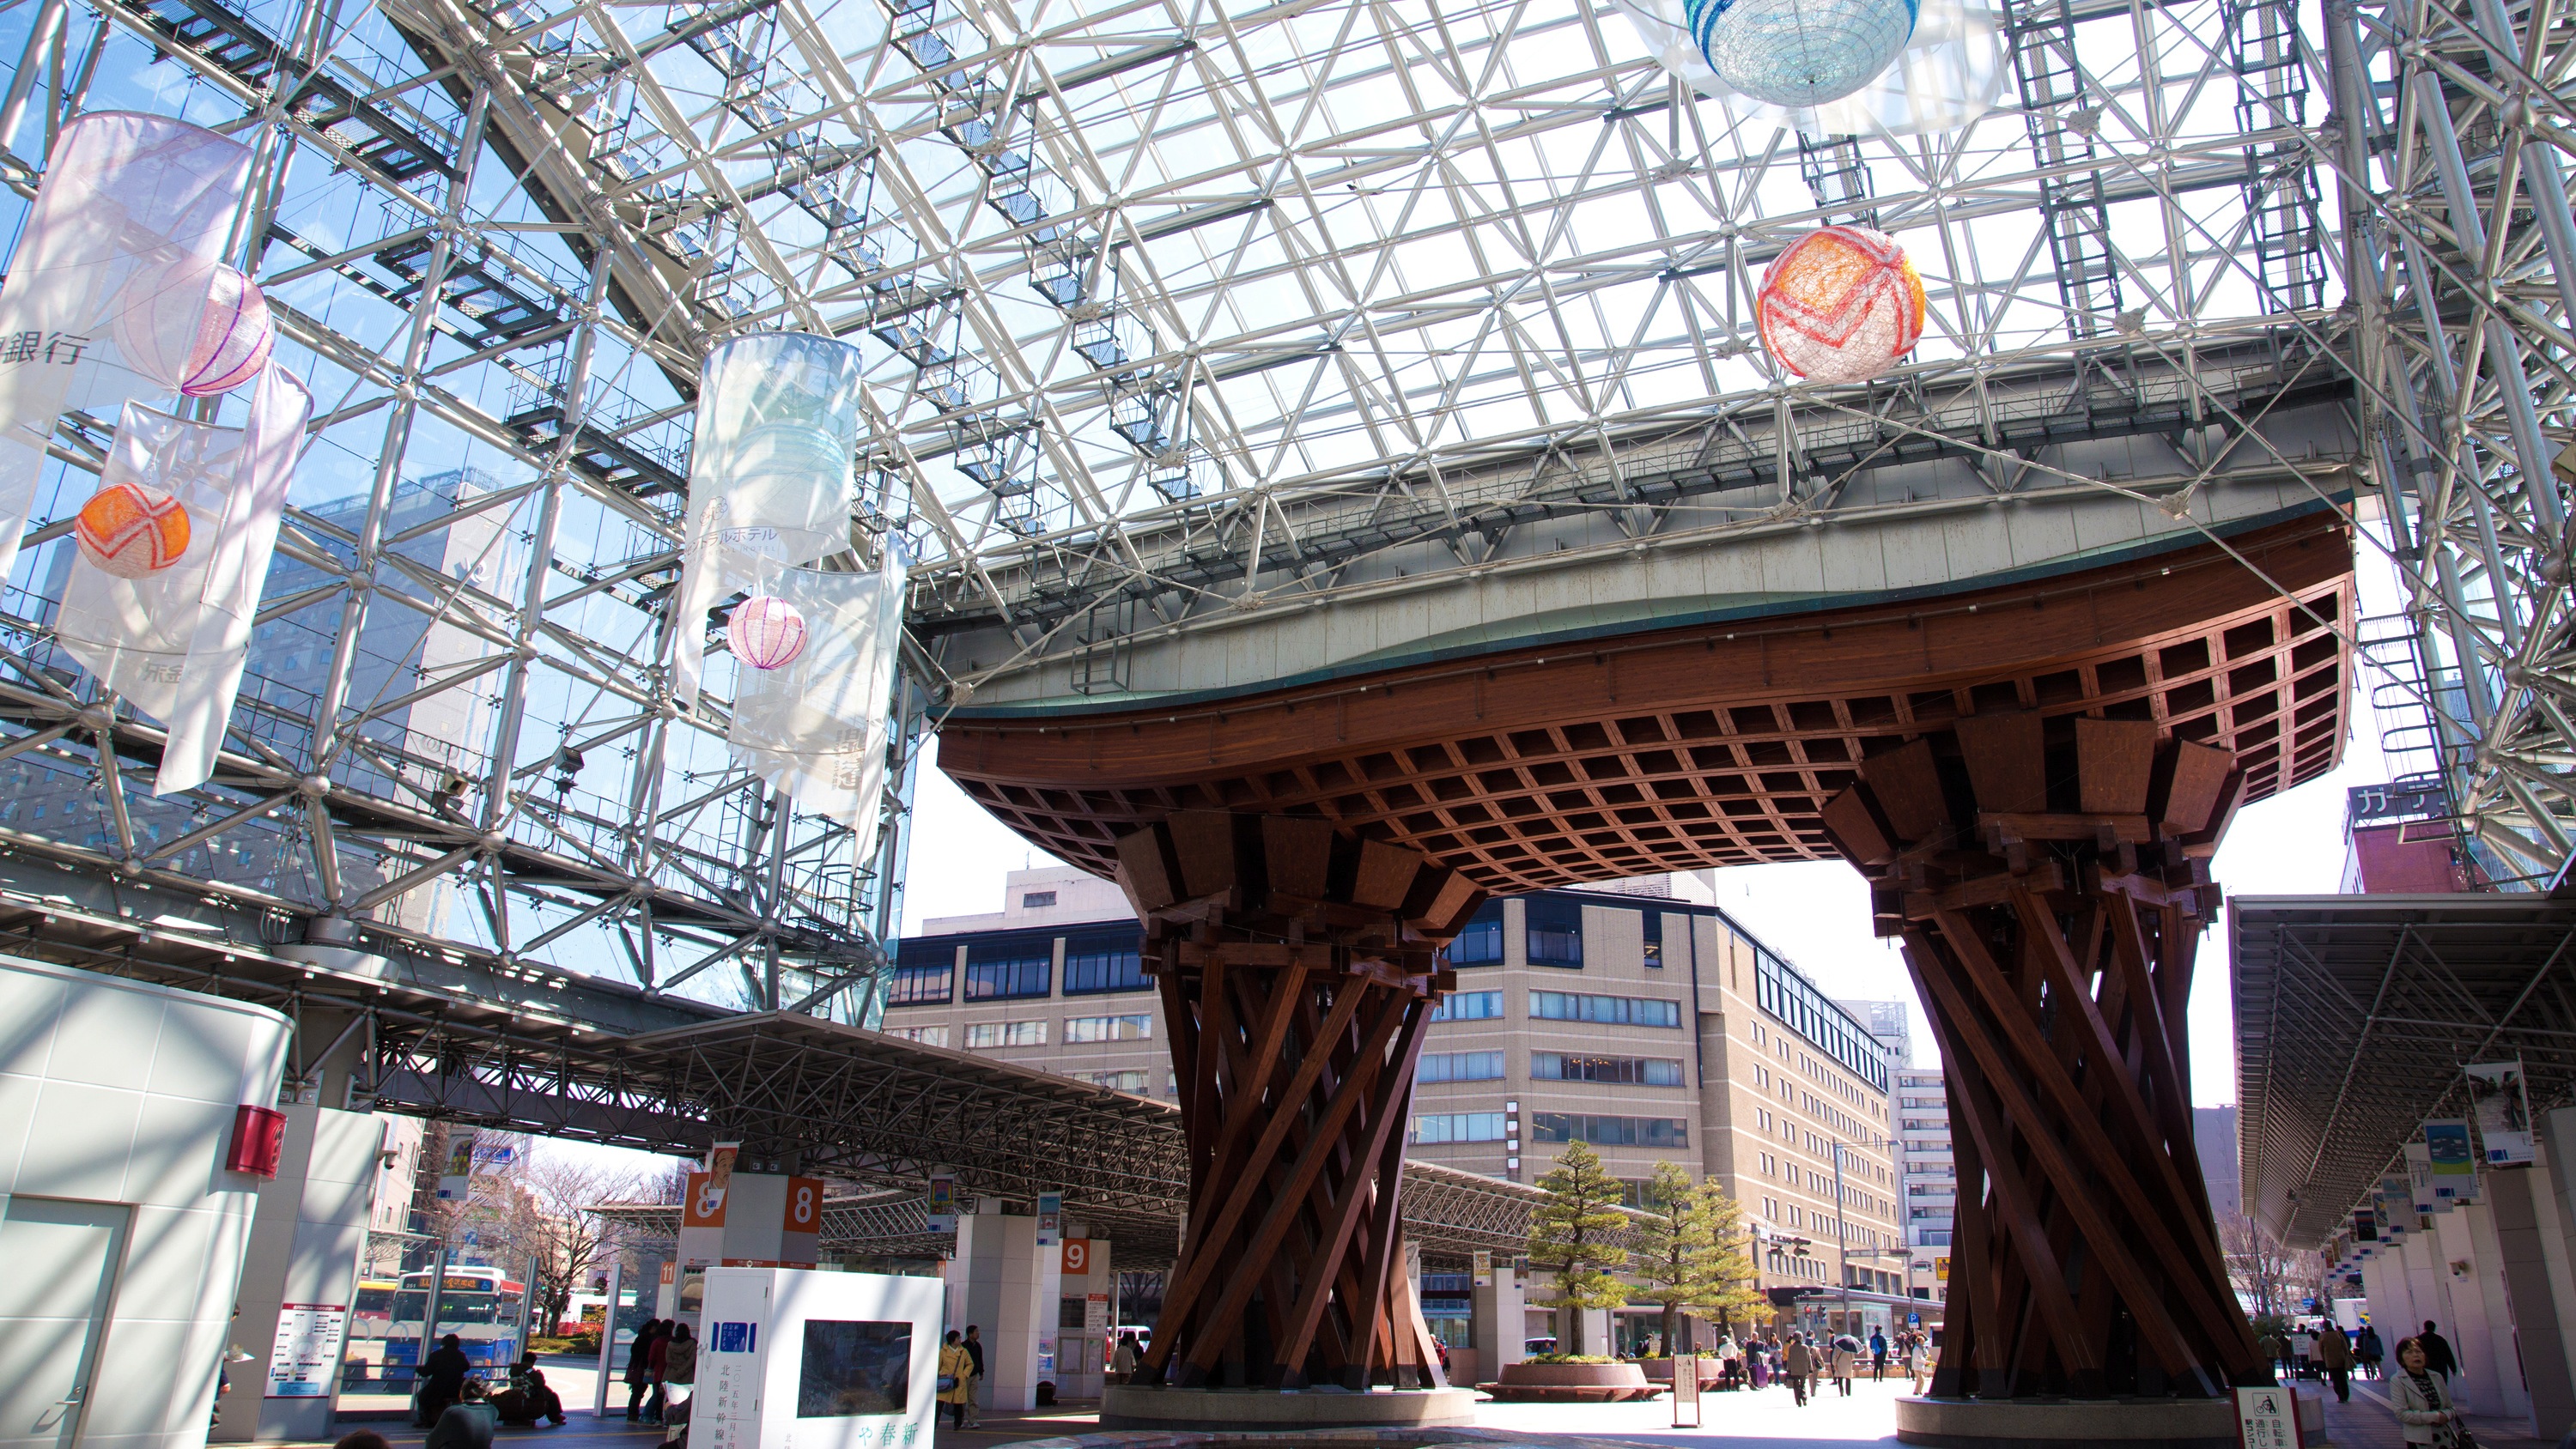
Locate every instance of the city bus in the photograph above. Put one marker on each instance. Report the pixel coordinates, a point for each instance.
(484, 1309)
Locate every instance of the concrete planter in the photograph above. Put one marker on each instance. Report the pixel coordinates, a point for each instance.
(1573, 1383)
(1150, 1406)
(1660, 1370)
(2076, 1423)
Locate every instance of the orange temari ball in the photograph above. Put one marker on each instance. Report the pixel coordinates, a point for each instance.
(1841, 304)
(130, 530)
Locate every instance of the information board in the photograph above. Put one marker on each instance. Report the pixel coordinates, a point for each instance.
(1685, 1391)
(307, 1352)
(2267, 1418)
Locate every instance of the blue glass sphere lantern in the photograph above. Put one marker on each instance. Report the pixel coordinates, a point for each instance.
(1800, 52)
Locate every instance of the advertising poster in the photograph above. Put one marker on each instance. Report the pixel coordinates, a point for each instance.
(2502, 1110)
(2419, 1179)
(943, 1202)
(306, 1355)
(456, 1174)
(2454, 1159)
(2396, 1207)
(1050, 1219)
(1484, 1262)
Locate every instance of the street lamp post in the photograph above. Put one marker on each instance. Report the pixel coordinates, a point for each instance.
(1842, 1234)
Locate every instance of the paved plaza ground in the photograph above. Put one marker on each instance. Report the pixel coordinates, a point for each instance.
(1756, 1419)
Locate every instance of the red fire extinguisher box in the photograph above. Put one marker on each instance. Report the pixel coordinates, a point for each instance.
(259, 1141)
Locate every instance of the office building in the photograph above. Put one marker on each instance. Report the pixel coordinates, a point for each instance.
(1642, 1021)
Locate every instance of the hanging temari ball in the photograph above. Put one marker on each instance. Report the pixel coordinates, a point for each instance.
(233, 337)
(766, 632)
(130, 530)
(1841, 304)
(1800, 52)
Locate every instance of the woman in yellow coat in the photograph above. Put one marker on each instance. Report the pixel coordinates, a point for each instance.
(955, 1368)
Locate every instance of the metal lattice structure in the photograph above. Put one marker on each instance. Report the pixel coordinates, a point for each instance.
(1176, 311)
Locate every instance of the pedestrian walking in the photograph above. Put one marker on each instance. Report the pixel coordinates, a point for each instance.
(974, 1346)
(1123, 1361)
(1799, 1362)
(1846, 1363)
(956, 1374)
(679, 1382)
(2423, 1400)
(2438, 1357)
(1877, 1355)
(2370, 1351)
(442, 1379)
(639, 1369)
(2334, 1355)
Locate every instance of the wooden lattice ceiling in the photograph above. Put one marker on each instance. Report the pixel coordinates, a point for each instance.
(1713, 745)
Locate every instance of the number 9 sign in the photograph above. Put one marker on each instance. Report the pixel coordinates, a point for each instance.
(1077, 1257)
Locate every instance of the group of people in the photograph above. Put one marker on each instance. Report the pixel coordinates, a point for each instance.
(661, 1373)
(961, 1365)
(1802, 1361)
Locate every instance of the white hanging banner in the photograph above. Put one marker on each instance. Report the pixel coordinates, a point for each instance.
(2500, 1105)
(133, 209)
(818, 724)
(770, 475)
(1950, 73)
(174, 548)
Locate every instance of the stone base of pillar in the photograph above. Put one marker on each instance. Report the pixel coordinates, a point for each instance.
(1148, 1406)
(2080, 1423)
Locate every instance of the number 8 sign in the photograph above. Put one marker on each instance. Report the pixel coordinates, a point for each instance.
(804, 1205)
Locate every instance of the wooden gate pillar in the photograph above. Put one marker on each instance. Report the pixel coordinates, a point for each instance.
(2050, 881)
(1299, 966)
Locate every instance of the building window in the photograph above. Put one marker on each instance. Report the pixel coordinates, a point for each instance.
(1460, 1067)
(982, 1035)
(922, 973)
(1104, 962)
(1036, 900)
(926, 1035)
(1448, 1307)
(1554, 931)
(1108, 1028)
(1116, 1081)
(1607, 1010)
(1437, 1127)
(1480, 941)
(1795, 1002)
(1609, 1131)
(1627, 1071)
(1002, 970)
(1654, 932)
(1469, 1006)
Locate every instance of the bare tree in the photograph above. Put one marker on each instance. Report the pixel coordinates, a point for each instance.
(570, 1243)
(2273, 1281)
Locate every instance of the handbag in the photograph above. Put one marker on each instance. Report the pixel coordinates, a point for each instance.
(947, 1383)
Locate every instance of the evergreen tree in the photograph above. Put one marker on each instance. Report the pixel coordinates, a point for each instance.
(1692, 1254)
(1575, 1234)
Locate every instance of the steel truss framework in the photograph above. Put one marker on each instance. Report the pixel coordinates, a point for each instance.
(2353, 1019)
(450, 1033)
(1176, 309)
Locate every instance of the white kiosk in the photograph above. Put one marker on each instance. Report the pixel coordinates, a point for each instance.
(791, 1358)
